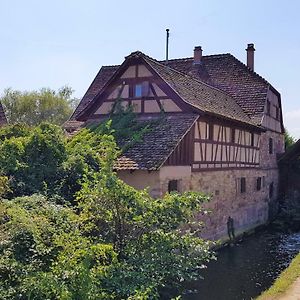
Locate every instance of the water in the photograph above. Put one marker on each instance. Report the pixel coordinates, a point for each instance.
(243, 271)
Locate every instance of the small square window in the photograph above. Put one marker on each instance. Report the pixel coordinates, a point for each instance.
(173, 186)
(243, 185)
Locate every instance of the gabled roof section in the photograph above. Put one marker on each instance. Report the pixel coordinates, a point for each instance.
(227, 73)
(157, 144)
(223, 72)
(200, 95)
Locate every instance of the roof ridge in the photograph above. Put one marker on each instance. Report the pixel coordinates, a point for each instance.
(191, 57)
(110, 66)
(249, 120)
(191, 77)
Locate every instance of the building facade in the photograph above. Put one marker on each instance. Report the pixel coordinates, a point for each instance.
(220, 133)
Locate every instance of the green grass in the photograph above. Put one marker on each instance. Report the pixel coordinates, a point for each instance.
(283, 282)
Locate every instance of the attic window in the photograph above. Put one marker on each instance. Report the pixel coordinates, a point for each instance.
(141, 89)
(138, 90)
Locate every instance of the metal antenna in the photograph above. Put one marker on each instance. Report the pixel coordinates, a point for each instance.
(167, 46)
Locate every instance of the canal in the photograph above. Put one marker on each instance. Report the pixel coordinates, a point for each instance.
(244, 270)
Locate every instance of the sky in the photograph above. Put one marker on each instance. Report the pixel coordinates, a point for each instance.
(65, 42)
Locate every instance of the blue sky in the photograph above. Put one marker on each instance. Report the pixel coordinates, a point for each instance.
(59, 42)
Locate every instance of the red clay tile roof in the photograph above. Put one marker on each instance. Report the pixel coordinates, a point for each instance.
(229, 74)
(199, 94)
(157, 144)
(223, 71)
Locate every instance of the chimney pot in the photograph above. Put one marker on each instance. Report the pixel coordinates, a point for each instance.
(197, 55)
(250, 56)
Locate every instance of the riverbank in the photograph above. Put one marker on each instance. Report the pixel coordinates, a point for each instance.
(287, 285)
(245, 269)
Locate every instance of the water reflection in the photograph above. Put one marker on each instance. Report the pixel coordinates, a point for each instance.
(242, 272)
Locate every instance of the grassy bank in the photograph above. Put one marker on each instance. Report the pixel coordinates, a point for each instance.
(284, 281)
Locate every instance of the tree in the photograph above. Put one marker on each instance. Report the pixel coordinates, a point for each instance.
(117, 243)
(35, 107)
(288, 140)
(32, 157)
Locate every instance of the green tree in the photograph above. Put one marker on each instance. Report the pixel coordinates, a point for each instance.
(35, 107)
(32, 157)
(289, 140)
(118, 243)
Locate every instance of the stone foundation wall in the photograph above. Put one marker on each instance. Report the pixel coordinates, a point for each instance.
(248, 209)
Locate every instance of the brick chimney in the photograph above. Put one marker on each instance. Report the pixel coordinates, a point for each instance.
(250, 56)
(197, 55)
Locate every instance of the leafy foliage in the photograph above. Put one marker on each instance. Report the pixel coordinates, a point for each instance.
(31, 158)
(112, 242)
(288, 140)
(35, 107)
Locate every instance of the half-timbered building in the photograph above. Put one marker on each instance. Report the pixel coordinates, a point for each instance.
(221, 132)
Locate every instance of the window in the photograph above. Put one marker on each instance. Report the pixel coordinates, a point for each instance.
(258, 183)
(271, 190)
(173, 186)
(138, 90)
(270, 146)
(141, 89)
(268, 108)
(243, 185)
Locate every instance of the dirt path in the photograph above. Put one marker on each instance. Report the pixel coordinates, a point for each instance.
(293, 293)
